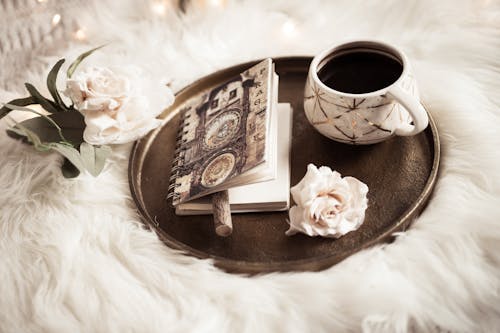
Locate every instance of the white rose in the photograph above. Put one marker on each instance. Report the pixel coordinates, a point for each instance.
(115, 112)
(97, 88)
(327, 204)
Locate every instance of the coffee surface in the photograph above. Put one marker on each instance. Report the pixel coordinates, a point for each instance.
(360, 72)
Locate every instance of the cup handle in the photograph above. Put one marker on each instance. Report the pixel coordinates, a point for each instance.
(414, 108)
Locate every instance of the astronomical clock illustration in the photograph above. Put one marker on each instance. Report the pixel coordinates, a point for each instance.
(222, 135)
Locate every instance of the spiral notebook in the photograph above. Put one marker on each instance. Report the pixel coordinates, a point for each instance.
(271, 195)
(227, 136)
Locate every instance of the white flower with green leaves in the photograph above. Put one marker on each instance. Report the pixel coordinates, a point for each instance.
(106, 108)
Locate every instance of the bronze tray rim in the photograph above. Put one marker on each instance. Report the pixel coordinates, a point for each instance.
(248, 267)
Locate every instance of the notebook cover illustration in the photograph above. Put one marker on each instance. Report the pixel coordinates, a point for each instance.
(222, 134)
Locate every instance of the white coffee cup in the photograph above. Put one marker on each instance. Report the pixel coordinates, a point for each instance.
(366, 117)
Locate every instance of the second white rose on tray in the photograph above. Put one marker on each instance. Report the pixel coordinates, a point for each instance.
(328, 204)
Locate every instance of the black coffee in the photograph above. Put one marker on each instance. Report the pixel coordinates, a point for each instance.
(360, 72)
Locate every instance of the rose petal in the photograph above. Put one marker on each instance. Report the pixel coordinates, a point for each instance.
(94, 136)
(112, 102)
(327, 204)
(136, 109)
(98, 103)
(296, 213)
(298, 190)
(137, 133)
(105, 82)
(99, 120)
(74, 90)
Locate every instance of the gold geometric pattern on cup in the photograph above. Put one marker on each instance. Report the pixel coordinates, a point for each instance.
(317, 95)
(348, 128)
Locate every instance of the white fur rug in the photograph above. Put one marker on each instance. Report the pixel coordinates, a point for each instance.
(74, 257)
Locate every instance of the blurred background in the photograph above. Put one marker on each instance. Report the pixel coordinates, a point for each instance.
(34, 29)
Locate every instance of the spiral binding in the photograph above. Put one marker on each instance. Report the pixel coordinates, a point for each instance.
(179, 148)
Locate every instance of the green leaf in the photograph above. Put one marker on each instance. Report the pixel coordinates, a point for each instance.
(72, 165)
(52, 122)
(52, 84)
(87, 152)
(31, 136)
(71, 123)
(70, 153)
(48, 105)
(89, 158)
(74, 65)
(94, 157)
(18, 102)
(101, 154)
(69, 170)
(18, 134)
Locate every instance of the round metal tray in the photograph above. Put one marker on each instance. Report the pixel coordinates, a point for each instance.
(399, 172)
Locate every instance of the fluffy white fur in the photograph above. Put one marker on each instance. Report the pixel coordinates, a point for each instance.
(74, 257)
